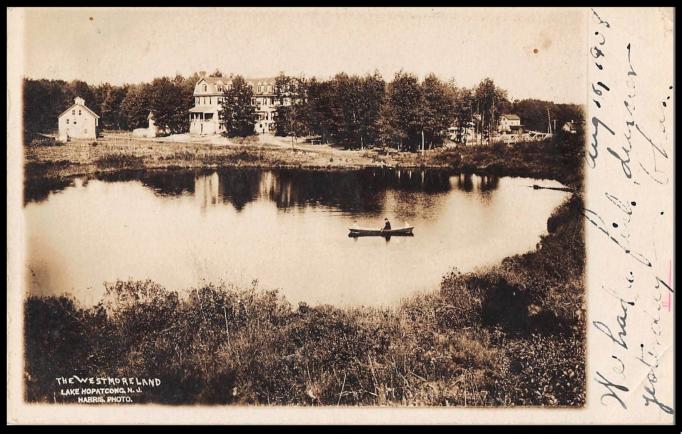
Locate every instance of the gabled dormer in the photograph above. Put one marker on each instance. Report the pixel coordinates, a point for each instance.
(209, 86)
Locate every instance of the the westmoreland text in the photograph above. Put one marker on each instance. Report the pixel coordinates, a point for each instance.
(109, 381)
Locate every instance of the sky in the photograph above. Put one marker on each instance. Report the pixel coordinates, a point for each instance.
(532, 53)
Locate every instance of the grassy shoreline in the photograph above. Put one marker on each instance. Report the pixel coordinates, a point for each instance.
(512, 334)
(550, 160)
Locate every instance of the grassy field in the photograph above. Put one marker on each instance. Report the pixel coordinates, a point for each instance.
(509, 335)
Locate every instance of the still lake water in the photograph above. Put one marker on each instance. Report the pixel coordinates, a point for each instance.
(288, 229)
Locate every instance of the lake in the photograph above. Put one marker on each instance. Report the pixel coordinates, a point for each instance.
(287, 229)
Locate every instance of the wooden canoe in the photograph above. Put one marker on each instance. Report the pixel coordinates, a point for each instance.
(359, 232)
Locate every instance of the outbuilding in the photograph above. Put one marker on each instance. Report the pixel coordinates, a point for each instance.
(78, 122)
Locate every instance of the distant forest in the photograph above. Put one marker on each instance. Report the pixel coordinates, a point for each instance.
(351, 110)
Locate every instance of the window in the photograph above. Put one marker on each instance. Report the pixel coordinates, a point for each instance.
(205, 88)
(74, 122)
(210, 100)
(79, 112)
(73, 112)
(67, 122)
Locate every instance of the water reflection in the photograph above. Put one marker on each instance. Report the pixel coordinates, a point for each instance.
(38, 189)
(464, 182)
(489, 183)
(286, 228)
(362, 191)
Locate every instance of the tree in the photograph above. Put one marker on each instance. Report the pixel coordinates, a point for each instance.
(318, 109)
(372, 91)
(238, 113)
(438, 108)
(135, 107)
(345, 110)
(282, 115)
(464, 109)
(109, 100)
(401, 117)
(78, 88)
(490, 101)
(389, 131)
(170, 104)
(290, 115)
(44, 101)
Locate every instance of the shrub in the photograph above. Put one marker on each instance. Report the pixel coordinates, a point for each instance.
(45, 141)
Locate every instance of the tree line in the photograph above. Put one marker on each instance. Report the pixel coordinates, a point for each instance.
(361, 111)
(350, 110)
(120, 107)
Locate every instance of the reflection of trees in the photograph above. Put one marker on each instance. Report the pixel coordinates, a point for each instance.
(162, 182)
(37, 189)
(362, 191)
(170, 183)
(484, 184)
(359, 191)
(239, 186)
(465, 183)
(347, 191)
(429, 181)
(489, 183)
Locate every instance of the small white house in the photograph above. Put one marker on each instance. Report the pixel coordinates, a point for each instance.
(509, 124)
(570, 127)
(78, 122)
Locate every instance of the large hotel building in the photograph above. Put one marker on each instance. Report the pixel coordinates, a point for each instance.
(208, 97)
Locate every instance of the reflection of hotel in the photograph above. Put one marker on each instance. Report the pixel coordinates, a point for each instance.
(208, 96)
(207, 189)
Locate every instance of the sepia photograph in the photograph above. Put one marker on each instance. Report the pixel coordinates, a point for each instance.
(310, 207)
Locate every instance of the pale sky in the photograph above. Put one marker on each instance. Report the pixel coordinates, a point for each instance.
(133, 45)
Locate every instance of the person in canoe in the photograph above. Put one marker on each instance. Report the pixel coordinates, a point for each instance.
(387, 225)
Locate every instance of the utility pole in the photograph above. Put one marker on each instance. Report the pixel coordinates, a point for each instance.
(422, 141)
(492, 120)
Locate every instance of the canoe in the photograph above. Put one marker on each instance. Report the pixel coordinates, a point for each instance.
(359, 232)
